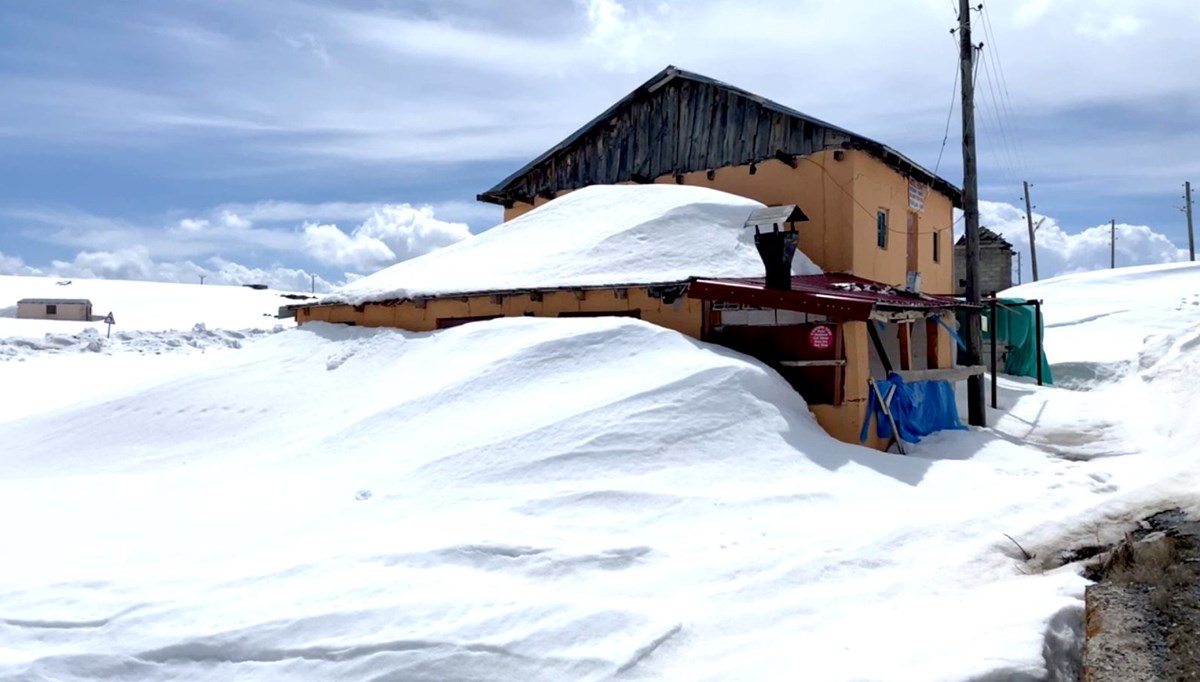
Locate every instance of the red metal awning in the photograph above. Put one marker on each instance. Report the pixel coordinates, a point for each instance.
(838, 296)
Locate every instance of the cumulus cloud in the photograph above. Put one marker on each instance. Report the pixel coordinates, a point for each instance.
(391, 234)
(1060, 252)
(137, 264)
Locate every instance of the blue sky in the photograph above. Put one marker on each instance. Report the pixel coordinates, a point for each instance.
(271, 140)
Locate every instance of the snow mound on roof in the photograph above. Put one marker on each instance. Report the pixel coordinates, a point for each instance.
(596, 236)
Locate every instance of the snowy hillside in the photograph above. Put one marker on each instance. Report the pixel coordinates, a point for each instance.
(560, 499)
(141, 306)
(1105, 315)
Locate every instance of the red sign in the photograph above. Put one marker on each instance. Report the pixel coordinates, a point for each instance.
(821, 337)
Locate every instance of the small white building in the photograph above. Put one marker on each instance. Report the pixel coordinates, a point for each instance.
(55, 309)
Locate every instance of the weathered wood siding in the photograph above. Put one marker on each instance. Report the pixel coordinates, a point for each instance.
(683, 127)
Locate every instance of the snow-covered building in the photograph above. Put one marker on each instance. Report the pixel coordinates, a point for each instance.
(79, 309)
(873, 212)
(686, 258)
(651, 211)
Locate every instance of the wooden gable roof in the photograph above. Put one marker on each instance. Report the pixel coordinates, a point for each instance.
(682, 122)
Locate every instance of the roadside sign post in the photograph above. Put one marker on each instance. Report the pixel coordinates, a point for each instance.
(110, 321)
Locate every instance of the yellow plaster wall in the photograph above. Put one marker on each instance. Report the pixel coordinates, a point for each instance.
(684, 315)
(875, 187)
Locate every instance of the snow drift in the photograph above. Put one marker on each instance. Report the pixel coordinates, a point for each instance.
(595, 236)
(517, 499)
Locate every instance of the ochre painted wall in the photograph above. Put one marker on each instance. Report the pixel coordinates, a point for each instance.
(683, 315)
(877, 187)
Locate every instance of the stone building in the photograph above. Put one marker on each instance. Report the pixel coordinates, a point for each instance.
(995, 264)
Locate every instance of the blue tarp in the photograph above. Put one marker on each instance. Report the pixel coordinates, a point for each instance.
(919, 408)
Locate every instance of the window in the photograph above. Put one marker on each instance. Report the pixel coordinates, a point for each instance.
(881, 228)
(52, 310)
(937, 246)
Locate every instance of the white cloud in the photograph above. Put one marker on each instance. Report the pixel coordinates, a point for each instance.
(137, 264)
(1060, 252)
(392, 233)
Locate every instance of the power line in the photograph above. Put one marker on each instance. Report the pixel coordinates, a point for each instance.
(1006, 100)
(949, 115)
(1005, 143)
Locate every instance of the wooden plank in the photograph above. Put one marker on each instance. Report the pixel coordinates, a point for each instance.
(813, 363)
(952, 374)
(683, 132)
(905, 333)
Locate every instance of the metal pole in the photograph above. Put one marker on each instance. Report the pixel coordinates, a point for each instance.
(993, 332)
(976, 409)
(1112, 244)
(1187, 195)
(1019, 268)
(1037, 335)
(1029, 222)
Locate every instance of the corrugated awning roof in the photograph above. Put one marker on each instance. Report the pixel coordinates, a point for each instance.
(839, 296)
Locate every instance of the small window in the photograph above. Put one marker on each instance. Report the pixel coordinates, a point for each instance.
(52, 310)
(881, 228)
(937, 247)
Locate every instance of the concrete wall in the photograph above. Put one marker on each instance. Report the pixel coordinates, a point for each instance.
(995, 269)
(63, 311)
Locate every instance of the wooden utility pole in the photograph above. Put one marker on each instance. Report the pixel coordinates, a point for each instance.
(1029, 222)
(1112, 244)
(1019, 268)
(201, 280)
(1187, 206)
(314, 283)
(976, 409)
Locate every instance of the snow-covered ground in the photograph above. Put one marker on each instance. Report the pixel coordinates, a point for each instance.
(563, 499)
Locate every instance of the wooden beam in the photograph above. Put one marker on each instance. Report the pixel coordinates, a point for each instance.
(904, 330)
(786, 158)
(812, 363)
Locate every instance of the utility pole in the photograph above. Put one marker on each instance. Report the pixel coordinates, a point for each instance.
(201, 280)
(1029, 222)
(1112, 244)
(1187, 197)
(314, 282)
(1019, 268)
(976, 410)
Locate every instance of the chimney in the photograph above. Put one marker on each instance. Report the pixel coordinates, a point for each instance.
(776, 248)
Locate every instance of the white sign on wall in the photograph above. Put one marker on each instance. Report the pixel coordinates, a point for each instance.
(916, 196)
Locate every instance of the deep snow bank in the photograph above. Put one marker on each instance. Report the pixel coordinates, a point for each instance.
(599, 235)
(518, 499)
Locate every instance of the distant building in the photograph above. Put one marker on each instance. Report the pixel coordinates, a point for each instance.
(995, 263)
(79, 309)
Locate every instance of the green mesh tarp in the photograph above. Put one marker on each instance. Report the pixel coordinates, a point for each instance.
(1015, 324)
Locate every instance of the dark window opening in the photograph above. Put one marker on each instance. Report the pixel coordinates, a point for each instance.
(448, 322)
(52, 310)
(821, 383)
(937, 247)
(602, 313)
(881, 228)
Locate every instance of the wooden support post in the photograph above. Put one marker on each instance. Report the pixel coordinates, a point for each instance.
(904, 329)
(1037, 335)
(839, 371)
(878, 343)
(992, 337)
(931, 344)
